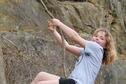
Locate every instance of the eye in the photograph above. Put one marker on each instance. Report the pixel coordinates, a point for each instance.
(95, 36)
(102, 38)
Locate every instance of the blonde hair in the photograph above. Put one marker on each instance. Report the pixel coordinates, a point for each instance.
(109, 51)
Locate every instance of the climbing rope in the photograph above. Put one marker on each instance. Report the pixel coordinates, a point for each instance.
(62, 37)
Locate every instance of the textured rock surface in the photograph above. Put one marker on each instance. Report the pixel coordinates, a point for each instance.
(27, 47)
(2, 69)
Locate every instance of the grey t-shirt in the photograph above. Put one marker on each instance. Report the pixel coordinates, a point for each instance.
(88, 64)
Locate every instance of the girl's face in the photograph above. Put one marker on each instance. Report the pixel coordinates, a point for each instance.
(100, 38)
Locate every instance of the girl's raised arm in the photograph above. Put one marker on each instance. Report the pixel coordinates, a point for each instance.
(72, 49)
(69, 32)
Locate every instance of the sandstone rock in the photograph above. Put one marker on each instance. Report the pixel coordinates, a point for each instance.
(27, 47)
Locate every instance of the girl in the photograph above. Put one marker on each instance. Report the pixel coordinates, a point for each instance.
(91, 54)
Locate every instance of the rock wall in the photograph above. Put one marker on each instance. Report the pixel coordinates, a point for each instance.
(2, 69)
(27, 47)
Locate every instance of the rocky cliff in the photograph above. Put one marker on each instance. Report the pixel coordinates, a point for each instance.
(27, 47)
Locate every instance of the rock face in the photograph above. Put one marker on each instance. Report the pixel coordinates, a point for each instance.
(27, 47)
(2, 70)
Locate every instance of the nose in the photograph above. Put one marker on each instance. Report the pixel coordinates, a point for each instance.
(97, 40)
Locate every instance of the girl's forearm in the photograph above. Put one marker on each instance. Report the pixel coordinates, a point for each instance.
(67, 30)
(73, 49)
(59, 39)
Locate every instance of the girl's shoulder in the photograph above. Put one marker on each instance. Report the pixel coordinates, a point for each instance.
(90, 43)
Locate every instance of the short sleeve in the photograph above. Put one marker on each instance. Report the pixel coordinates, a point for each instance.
(91, 49)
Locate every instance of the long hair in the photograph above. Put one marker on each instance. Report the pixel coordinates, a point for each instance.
(110, 51)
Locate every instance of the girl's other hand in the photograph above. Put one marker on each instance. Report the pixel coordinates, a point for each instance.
(56, 22)
(51, 25)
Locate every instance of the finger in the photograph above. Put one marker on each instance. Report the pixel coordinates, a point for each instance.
(50, 24)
